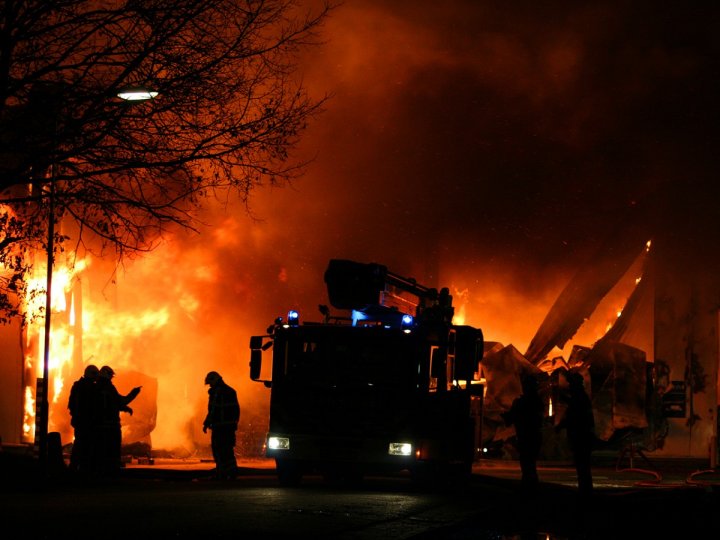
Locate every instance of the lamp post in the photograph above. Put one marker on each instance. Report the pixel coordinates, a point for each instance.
(134, 94)
(44, 387)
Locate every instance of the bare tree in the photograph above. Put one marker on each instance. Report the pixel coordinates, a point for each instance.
(229, 110)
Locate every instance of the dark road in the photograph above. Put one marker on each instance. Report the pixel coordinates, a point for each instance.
(176, 501)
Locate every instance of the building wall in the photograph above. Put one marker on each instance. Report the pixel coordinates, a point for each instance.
(687, 297)
(11, 373)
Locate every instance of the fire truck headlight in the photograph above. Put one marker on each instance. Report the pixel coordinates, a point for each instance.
(278, 443)
(400, 449)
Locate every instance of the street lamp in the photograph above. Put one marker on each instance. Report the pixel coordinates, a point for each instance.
(135, 94)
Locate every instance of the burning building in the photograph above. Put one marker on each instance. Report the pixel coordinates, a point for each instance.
(156, 329)
(652, 371)
(461, 145)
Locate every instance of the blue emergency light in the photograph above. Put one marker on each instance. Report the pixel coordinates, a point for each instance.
(357, 316)
(407, 322)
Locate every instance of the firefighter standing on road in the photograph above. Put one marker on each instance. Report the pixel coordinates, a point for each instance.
(580, 425)
(222, 419)
(526, 414)
(109, 431)
(82, 405)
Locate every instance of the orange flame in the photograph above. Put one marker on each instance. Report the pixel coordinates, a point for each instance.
(61, 344)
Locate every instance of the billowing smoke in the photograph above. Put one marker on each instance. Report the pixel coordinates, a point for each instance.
(474, 145)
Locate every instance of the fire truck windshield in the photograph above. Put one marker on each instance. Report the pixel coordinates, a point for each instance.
(372, 359)
(357, 380)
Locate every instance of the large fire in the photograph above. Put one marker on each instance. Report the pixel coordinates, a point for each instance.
(81, 330)
(190, 307)
(159, 326)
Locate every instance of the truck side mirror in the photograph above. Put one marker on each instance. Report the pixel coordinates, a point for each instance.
(255, 363)
(256, 342)
(256, 350)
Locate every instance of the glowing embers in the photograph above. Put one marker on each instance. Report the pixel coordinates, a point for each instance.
(278, 443)
(400, 449)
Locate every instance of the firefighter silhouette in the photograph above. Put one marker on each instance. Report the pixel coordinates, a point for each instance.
(526, 414)
(580, 425)
(222, 419)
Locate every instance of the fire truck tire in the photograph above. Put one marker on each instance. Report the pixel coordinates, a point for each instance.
(461, 471)
(425, 474)
(437, 473)
(289, 472)
(342, 475)
(354, 477)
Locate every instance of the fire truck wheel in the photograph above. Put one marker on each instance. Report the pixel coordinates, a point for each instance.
(289, 473)
(432, 474)
(424, 474)
(354, 477)
(332, 476)
(342, 475)
(460, 472)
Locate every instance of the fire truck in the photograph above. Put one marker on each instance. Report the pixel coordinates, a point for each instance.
(390, 385)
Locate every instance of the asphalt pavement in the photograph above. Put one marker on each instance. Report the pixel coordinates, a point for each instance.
(609, 474)
(658, 499)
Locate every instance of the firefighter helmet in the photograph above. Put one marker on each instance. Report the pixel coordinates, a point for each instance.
(212, 377)
(107, 372)
(91, 371)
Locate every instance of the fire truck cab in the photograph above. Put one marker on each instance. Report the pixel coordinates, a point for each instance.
(389, 386)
